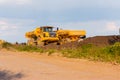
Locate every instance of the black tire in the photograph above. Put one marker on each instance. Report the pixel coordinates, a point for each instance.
(83, 36)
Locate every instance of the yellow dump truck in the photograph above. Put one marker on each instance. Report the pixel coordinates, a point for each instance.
(41, 36)
(47, 34)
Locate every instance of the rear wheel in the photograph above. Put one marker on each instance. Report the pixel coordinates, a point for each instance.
(59, 43)
(46, 43)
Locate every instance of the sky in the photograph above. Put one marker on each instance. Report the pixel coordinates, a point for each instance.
(97, 17)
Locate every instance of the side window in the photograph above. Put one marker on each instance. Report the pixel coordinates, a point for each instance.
(50, 29)
(45, 29)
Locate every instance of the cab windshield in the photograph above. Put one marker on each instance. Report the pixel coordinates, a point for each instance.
(48, 29)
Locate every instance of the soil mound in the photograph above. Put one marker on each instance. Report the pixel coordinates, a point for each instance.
(99, 41)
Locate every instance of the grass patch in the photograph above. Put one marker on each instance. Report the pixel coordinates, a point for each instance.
(106, 54)
(6, 45)
(51, 51)
(29, 48)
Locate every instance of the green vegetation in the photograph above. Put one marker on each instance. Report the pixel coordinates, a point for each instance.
(106, 54)
(88, 51)
(51, 51)
(6, 45)
(28, 48)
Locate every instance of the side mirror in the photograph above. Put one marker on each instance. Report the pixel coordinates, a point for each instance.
(57, 28)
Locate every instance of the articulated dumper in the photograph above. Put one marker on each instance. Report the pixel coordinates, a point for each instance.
(47, 34)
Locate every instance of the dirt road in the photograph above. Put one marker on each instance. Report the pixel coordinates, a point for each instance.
(24, 66)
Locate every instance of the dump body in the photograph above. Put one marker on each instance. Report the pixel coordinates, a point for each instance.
(72, 32)
(71, 35)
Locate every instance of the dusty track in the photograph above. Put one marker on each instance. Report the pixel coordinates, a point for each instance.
(33, 66)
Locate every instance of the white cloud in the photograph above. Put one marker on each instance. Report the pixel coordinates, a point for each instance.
(2, 1)
(22, 2)
(4, 26)
(71, 4)
(15, 2)
(63, 4)
(111, 26)
(13, 30)
(2, 22)
(9, 28)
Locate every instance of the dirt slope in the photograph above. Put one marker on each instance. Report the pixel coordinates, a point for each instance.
(32, 66)
(99, 41)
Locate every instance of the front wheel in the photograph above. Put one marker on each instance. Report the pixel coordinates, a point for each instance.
(39, 42)
(59, 42)
(31, 42)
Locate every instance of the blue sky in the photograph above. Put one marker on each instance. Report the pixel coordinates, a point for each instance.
(97, 17)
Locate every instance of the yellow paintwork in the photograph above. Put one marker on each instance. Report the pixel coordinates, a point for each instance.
(72, 32)
(29, 34)
(50, 39)
(77, 33)
(71, 35)
(38, 32)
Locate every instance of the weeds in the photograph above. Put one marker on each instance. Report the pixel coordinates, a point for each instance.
(51, 51)
(106, 54)
(6, 45)
(29, 48)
